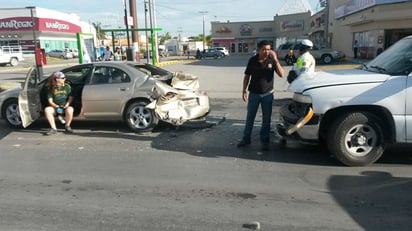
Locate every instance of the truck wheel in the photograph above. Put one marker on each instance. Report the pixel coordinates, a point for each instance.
(139, 118)
(14, 62)
(356, 139)
(327, 59)
(11, 113)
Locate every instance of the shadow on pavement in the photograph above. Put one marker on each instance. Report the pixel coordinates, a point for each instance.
(216, 139)
(376, 200)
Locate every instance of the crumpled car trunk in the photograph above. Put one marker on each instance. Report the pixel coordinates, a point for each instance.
(180, 102)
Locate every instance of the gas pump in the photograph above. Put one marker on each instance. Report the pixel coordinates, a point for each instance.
(40, 57)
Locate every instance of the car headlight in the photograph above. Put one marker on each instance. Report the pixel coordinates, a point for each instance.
(298, 97)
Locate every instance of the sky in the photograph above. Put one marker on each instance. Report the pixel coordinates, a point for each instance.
(177, 17)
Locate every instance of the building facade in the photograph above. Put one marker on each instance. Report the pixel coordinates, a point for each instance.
(50, 29)
(374, 24)
(241, 37)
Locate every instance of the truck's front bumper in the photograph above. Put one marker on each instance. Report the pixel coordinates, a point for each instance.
(301, 124)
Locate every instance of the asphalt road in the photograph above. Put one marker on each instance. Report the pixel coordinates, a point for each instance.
(194, 178)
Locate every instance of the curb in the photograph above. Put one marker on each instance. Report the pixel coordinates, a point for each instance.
(175, 61)
(8, 85)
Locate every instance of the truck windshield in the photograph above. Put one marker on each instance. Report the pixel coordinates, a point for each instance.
(396, 60)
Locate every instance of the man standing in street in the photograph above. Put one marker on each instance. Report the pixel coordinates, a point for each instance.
(258, 90)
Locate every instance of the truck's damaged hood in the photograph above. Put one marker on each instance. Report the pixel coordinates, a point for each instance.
(336, 77)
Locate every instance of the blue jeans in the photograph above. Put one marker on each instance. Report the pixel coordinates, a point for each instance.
(266, 101)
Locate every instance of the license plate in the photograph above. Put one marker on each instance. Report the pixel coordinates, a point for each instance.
(190, 102)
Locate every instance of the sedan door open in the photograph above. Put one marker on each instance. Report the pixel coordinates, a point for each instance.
(29, 98)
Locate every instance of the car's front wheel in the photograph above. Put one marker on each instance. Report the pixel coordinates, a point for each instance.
(139, 118)
(327, 59)
(356, 139)
(12, 114)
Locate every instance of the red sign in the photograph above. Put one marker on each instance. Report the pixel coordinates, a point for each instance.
(40, 24)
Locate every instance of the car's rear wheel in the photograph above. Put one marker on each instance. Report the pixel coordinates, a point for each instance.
(139, 118)
(11, 113)
(327, 59)
(14, 62)
(356, 139)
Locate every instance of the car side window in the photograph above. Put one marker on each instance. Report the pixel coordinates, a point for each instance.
(100, 75)
(118, 76)
(77, 75)
(109, 75)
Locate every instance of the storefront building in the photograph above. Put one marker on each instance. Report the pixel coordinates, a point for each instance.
(51, 29)
(241, 37)
(292, 27)
(374, 24)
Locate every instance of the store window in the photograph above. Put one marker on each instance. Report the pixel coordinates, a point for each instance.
(233, 48)
(243, 47)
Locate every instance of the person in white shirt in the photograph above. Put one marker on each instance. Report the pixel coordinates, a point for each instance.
(108, 54)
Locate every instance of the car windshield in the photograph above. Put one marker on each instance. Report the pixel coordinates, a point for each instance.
(396, 60)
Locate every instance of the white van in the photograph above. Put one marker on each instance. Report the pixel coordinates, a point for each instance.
(10, 55)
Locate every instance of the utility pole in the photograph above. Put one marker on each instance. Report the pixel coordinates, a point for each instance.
(135, 35)
(151, 31)
(204, 38)
(146, 9)
(179, 30)
(126, 19)
(155, 34)
(326, 5)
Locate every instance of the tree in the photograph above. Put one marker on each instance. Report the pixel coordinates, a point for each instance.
(99, 33)
(164, 38)
(208, 39)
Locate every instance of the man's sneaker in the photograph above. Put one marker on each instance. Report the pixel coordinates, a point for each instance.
(242, 143)
(52, 131)
(69, 130)
(61, 119)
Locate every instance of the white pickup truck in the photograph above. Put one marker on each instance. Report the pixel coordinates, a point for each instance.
(355, 112)
(10, 55)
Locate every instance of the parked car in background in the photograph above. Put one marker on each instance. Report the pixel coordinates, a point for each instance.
(112, 91)
(356, 113)
(63, 54)
(325, 55)
(212, 53)
(161, 52)
(223, 50)
(74, 52)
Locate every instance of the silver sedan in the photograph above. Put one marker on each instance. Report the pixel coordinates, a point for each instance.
(102, 91)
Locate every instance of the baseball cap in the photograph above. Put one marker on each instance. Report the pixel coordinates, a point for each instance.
(58, 75)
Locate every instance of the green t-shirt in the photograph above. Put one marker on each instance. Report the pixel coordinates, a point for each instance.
(60, 94)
